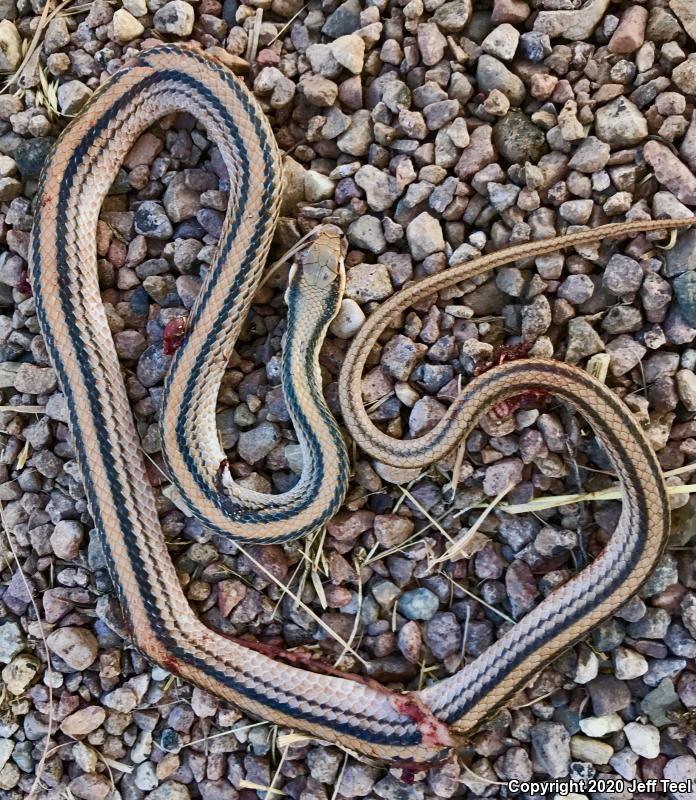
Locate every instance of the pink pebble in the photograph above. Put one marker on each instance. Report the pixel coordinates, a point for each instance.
(630, 34)
(510, 11)
(543, 86)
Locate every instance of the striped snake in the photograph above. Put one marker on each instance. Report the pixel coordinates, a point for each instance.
(397, 727)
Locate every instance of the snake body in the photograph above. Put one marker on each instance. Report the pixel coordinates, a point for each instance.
(411, 727)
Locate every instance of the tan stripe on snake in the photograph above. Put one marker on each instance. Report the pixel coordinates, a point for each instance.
(397, 727)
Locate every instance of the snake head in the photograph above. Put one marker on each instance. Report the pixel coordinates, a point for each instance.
(322, 261)
(318, 276)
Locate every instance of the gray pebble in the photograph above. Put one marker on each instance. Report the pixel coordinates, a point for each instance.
(493, 74)
(11, 641)
(257, 443)
(443, 635)
(150, 220)
(608, 694)
(366, 233)
(357, 780)
(72, 96)
(418, 604)
(622, 275)
(620, 123)
(551, 749)
(175, 18)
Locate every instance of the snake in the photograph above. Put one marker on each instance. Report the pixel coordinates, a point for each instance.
(395, 727)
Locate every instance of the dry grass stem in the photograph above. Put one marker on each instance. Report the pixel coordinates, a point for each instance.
(298, 247)
(401, 499)
(117, 765)
(463, 541)
(426, 513)
(286, 739)
(340, 776)
(46, 16)
(376, 404)
(283, 592)
(220, 734)
(287, 24)
(47, 95)
(356, 622)
(271, 787)
(253, 46)
(319, 589)
(535, 699)
(257, 787)
(612, 493)
(473, 596)
(326, 628)
(457, 468)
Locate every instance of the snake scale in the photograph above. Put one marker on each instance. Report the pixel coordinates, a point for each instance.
(418, 727)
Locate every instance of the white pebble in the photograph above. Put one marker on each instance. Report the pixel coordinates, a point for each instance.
(601, 726)
(317, 187)
(643, 739)
(348, 321)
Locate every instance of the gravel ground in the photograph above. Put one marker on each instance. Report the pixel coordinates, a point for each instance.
(430, 131)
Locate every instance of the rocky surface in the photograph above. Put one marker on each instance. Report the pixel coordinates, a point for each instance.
(430, 132)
